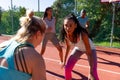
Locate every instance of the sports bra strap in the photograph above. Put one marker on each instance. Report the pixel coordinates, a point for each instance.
(8, 52)
(19, 52)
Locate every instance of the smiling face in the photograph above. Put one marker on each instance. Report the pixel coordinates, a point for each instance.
(69, 26)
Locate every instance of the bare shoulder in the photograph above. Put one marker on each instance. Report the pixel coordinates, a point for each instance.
(83, 34)
(35, 63)
(32, 55)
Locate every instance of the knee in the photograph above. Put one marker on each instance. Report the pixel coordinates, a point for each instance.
(59, 48)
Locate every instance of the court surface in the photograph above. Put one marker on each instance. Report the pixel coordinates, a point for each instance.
(108, 63)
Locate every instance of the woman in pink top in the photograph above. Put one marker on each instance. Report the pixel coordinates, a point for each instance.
(51, 33)
(73, 33)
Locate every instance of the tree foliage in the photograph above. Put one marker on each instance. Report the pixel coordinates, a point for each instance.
(0, 14)
(6, 20)
(61, 9)
(100, 16)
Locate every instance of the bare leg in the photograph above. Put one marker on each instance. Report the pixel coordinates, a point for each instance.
(55, 41)
(59, 48)
(44, 42)
(42, 50)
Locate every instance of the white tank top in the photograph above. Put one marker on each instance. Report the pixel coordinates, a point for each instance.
(50, 25)
(81, 46)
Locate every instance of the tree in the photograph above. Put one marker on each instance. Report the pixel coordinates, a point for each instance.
(0, 14)
(17, 12)
(22, 11)
(61, 9)
(6, 20)
(100, 16)
(5, 23)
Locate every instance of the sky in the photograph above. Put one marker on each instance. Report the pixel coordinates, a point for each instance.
(28, 4)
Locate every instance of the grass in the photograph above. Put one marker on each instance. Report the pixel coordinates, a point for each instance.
(107, 44)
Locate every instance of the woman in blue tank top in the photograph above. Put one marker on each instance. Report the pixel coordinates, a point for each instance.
(20, 54)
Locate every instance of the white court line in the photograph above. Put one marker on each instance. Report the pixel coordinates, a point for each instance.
(113, 72)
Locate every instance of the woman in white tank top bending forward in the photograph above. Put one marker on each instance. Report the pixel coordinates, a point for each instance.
(73, 33)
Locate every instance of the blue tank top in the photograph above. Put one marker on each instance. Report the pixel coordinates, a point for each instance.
(82, 21)
(10, 73)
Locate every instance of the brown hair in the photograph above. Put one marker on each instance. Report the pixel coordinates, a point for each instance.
(45, 14)
(76, 32)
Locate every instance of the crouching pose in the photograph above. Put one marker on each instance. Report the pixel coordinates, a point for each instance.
(73, 33)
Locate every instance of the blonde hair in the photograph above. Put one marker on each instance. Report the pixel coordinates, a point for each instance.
(29, 26)
(29, 13)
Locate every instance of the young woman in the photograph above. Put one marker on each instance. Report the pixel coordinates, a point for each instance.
(73, 33)
(50, 32)
(25, 58)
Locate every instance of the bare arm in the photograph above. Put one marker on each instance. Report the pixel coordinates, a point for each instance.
(38, 69)
(87, 24)
(86, 42)
(67, 50)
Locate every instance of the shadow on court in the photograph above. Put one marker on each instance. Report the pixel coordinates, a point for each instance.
(82, 77)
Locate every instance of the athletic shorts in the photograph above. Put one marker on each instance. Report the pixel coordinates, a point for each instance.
(52, 37)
